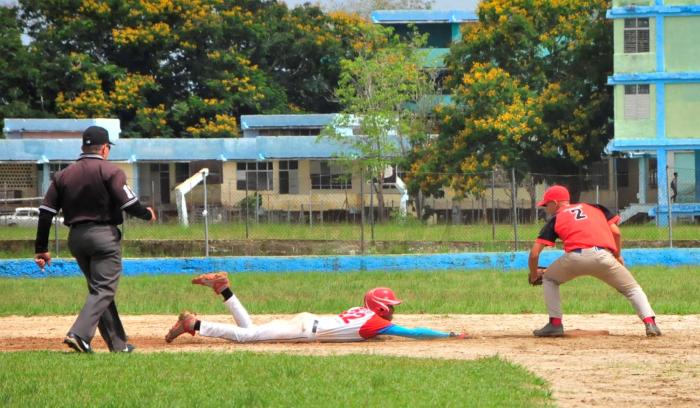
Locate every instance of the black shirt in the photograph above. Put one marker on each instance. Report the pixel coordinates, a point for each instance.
(89, 190)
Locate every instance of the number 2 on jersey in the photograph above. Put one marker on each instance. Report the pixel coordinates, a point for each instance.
(578, 213)
(352, 314)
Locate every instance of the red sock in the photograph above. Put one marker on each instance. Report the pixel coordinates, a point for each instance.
(555, 321)
(649, 319)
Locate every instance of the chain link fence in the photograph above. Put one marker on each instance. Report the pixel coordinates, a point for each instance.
(355, 216)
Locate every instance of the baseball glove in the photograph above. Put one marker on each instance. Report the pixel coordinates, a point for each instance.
(540, 272)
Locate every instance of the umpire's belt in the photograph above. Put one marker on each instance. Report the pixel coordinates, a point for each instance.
(595, 248)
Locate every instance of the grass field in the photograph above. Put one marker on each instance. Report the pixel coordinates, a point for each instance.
(254, 379)
(411, 231)
(671, 291)
(260, 380)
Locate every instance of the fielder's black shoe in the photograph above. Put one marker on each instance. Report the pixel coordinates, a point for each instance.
(550, 330)
(652, 330)
(77, 344)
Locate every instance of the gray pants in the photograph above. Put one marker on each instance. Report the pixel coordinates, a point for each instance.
(600, 264)
(97, 250)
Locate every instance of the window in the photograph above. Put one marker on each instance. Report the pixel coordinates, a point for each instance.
(255, 176)
(290, 132)
(327, 175)
(623, 175)
(215, 170)
(653, 177)
(289, 176)
(599, 174)
(636, 102)
(56, 167)
(182, 172)
(636, 35)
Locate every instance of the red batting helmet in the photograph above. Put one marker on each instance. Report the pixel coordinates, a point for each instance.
(379, 301)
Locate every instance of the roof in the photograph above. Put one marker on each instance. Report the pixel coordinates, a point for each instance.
(286, 121)
(14, 125)
(132, 150)
(423, 16)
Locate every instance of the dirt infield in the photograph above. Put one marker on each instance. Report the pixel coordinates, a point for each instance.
(604, 360)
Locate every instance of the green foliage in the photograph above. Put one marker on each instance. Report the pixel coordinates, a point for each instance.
(552, 114)
(671, 291)
(158, 379)
(378, 90)
(179, 68)
(16, 68)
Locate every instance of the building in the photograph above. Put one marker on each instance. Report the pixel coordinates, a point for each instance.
(279, 159)
(656, 84)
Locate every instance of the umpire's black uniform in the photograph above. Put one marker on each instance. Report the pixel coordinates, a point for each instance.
(92, 194)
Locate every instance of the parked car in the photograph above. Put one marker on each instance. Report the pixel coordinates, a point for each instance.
(24, 217)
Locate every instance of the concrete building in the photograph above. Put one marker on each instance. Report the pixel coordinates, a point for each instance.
(657, 82)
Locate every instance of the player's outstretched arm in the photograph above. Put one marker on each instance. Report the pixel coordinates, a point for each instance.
(419, 333)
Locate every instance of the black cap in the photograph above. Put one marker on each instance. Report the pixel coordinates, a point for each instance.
(95, 136)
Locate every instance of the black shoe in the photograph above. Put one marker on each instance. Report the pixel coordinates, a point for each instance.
(77, 344)
(549, 330)
(128, 349)
(652, 330)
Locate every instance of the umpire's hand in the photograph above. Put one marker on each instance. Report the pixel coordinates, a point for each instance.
(42, 259)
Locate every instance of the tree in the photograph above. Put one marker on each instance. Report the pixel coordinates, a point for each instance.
(381, 92)
(554, 58)
(15, 88)
(186, 68)
(491, 120)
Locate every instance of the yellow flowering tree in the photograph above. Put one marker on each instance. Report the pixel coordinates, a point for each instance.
(555, 57)
(186, 68)
(490, 122)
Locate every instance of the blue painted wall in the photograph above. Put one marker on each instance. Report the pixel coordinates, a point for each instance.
(503, 261)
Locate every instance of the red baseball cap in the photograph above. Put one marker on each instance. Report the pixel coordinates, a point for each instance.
(554, 193)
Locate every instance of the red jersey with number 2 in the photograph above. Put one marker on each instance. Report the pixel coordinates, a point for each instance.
(580, 226)
(354, 324)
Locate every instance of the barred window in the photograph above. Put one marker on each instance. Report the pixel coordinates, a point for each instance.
(327, 175)
(289, 176)
(253, 175)
(636, 35)
(182, 172)
(55, 168)
(623, 173)
(637, 101)
(215, 167)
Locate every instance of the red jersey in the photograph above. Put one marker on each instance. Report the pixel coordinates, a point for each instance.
(580, 226)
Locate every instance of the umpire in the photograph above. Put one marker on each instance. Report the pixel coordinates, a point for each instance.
(92, 194)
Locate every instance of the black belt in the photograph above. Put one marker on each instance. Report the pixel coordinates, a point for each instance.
(313, 329)
(578, 250)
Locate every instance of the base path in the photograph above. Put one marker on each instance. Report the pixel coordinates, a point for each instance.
(604, 360)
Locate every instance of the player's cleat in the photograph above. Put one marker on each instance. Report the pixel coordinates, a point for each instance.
(217, 281)
(458, 336)
(76, 343)
(185, 324)
(652, 330)
(550, 330)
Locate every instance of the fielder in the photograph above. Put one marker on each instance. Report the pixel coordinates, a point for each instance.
(355, 324)
(592, 245)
